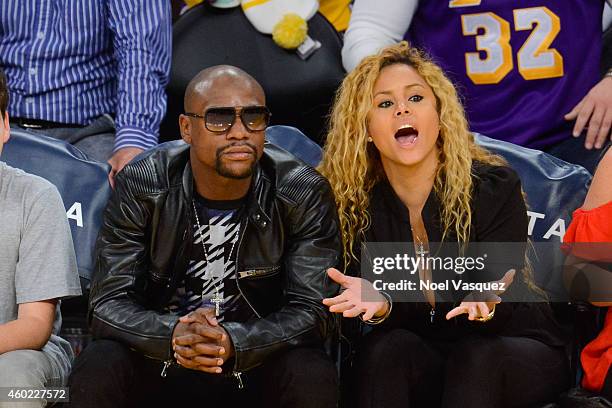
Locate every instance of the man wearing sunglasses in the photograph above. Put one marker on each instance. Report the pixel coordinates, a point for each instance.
(211, 267)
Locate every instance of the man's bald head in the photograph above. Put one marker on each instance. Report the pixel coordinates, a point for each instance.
(218, 76)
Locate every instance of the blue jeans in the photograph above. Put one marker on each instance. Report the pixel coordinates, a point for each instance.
(29, 368)
(96, 140)
(572, 150)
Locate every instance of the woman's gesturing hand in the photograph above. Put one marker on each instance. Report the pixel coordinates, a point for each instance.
(358, 297)
(482, 310)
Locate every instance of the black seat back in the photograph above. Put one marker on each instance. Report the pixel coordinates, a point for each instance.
(299, 93)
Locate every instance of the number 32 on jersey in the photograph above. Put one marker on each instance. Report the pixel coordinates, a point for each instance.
(535, 59)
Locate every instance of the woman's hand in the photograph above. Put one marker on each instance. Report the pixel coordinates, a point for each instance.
(351, 301)
(480, 310)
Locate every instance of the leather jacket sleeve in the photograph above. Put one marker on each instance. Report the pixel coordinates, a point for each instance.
(116, 311)
(313, 246)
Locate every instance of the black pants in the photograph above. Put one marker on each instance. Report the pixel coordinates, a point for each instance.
(400, 369)
(108, 374)
(606, 390)
(572, 150)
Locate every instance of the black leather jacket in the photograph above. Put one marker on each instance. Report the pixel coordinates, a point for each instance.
(289, 238)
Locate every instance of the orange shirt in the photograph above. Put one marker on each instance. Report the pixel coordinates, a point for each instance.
(594, 225)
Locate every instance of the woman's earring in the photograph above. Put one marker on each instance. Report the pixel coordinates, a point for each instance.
(370, 139)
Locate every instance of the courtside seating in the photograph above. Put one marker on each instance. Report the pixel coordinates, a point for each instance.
(554, 188)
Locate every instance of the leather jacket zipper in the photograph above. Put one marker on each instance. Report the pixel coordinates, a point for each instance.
(164, 371)
(236, 275)
(258, 272)
(238, 376)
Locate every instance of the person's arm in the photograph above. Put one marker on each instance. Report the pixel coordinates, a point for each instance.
(599, 194)
(32, 328)
(593, 113)
(313, 245)
(142, 41)
(46, 270)
(374, 25)
(116, 311)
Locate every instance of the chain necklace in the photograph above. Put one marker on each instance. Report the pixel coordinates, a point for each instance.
(424, 272)
(217, 299)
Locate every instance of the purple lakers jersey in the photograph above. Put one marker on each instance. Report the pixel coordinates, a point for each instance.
(519, 65)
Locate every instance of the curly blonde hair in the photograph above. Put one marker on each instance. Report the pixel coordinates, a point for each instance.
(353, 165)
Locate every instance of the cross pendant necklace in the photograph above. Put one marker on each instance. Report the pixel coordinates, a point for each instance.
(421, 252)
(217, 299)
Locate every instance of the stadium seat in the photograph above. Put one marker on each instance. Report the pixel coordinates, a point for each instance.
(554, 189)
(83, 185)
(295, 142)
(299, 93)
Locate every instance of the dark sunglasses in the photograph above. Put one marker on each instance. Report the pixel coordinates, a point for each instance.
(221, 119)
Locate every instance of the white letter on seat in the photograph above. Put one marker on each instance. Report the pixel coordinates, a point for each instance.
(558, 228)
(75, 213)
(532, 220)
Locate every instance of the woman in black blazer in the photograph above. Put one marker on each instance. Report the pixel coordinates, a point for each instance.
(405, 169)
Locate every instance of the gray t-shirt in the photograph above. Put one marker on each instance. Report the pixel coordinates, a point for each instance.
(37, 260)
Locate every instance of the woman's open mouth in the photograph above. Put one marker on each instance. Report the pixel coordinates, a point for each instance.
(406, 135)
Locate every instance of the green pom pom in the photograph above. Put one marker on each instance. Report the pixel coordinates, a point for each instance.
(290, 31)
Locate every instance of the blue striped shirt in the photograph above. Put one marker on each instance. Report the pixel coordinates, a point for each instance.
(71, 61)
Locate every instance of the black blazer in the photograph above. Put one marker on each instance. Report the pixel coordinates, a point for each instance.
(499, 214)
